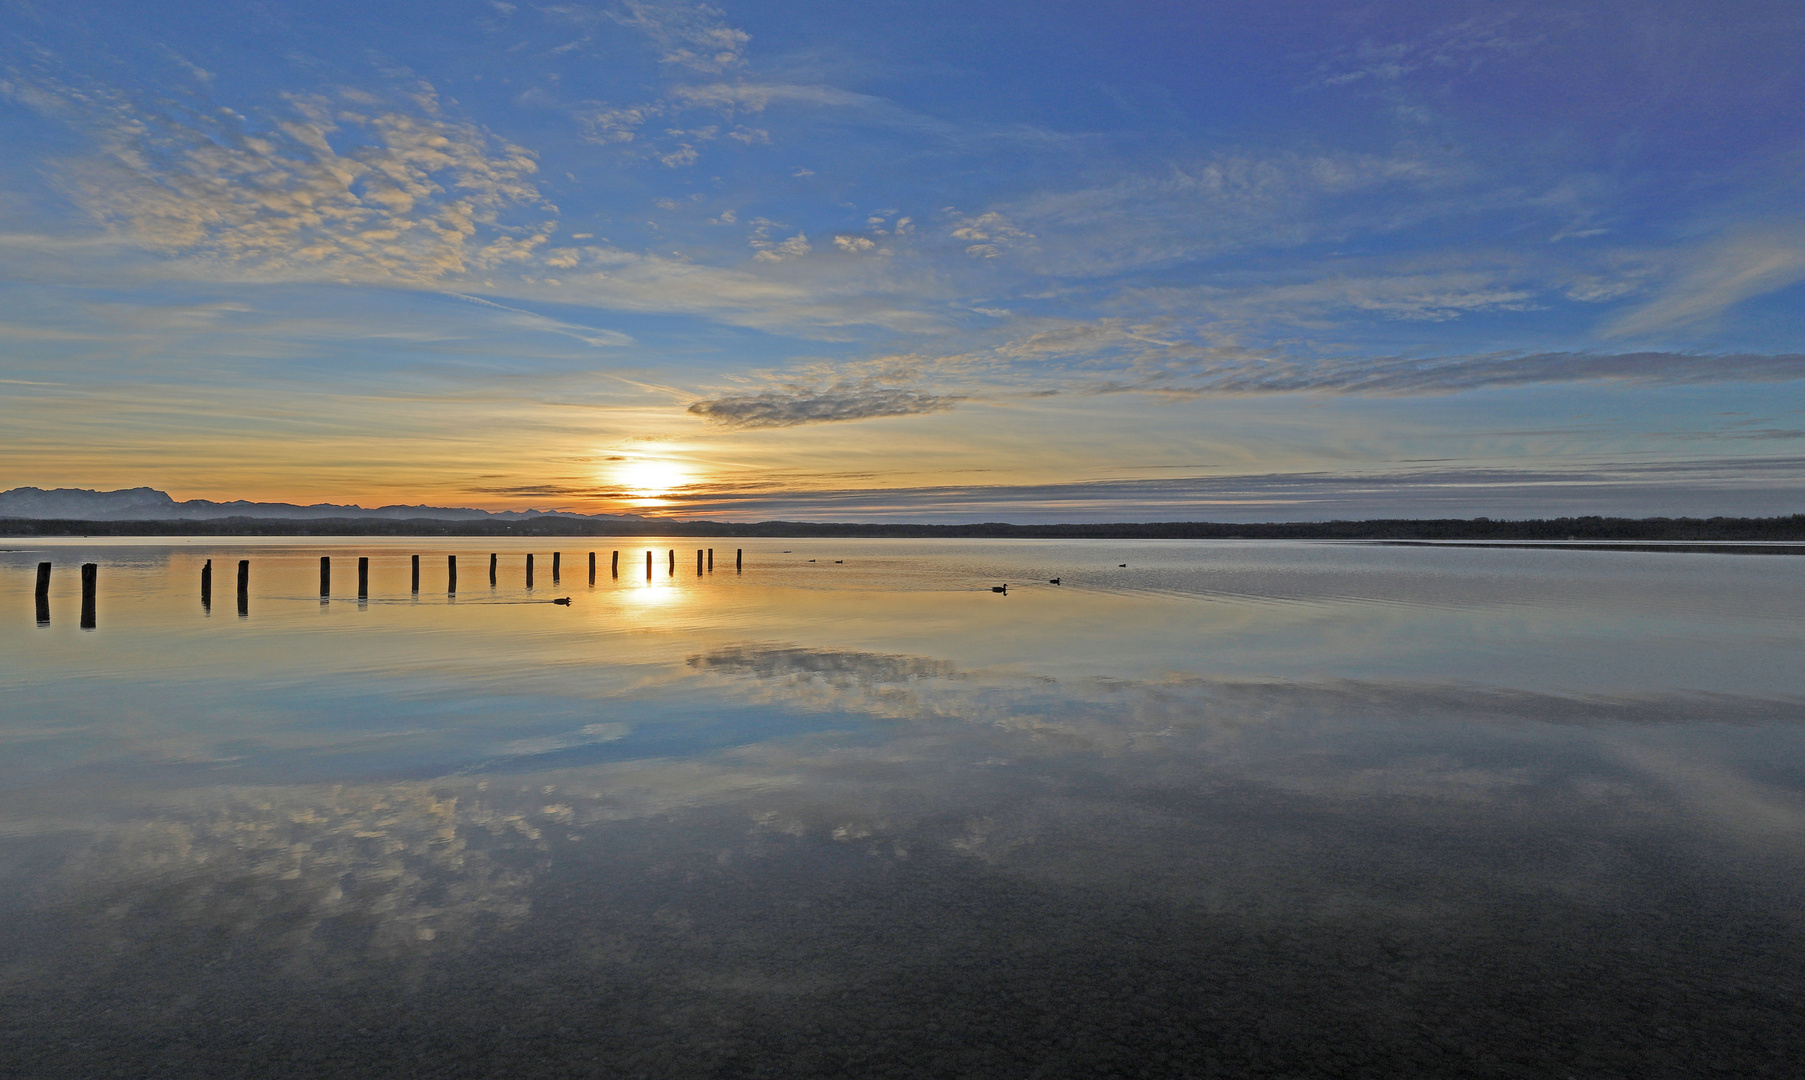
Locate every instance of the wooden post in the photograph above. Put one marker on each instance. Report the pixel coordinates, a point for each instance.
(244, 588)
(207, 586)
(416, 575)
(738, 553)
(325, 576)
(614, 565)
(529, 571)
(557, 566)
(363, 577)
(592, 568)
(673, 554)
(698, 562)
(711, 559)
(89, 574)
(43, 594)
(491, 569)
(648, 566)
(451, 573)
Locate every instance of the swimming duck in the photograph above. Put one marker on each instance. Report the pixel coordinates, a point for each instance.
(999, 588)
(565, 600)
(1052, 581)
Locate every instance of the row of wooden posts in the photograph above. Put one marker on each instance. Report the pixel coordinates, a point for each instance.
(704, 564)
(90, 575)
(90, 583)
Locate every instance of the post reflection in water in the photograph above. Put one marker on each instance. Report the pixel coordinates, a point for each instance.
(1280, 809)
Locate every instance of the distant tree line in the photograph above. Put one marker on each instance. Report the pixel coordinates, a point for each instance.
(1555, 529)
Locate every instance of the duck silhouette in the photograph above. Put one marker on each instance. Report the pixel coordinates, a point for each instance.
(565, 600)
(1052, 581)
(999, 588)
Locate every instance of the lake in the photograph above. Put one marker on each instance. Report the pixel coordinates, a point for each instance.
(1232, 808)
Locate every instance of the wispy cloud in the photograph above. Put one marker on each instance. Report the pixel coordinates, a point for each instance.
(1719, 277)
(1230, 202)
(529, 320)
(1445, 51)
(757, 97)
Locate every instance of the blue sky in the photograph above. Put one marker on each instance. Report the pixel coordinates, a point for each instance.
(930, 261)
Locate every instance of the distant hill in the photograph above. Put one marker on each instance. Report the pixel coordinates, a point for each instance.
(149, 504)
(146, 511)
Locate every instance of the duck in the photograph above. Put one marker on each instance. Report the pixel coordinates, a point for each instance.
(1121, 564)
(565, 600)
(1000, 588)
(1052, 581)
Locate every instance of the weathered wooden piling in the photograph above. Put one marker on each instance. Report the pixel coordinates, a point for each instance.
(673, 554)
(592, 568)
(43, 594)
(529, 571)
(363, 577)
(207, 586)
(614, 565)
(416, 573)
(491, 569)
(711, 559)
(244, 587)
(698, 562)
(557, 567)
(325, 575)
(451, 573)
(90, 574)
(738, 554)
(648, 566)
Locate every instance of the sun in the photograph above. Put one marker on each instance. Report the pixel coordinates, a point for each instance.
(649, 478)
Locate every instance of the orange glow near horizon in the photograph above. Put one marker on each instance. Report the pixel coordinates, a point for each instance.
(648, 480)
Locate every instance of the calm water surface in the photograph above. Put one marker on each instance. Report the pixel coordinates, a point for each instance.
(1231, 809)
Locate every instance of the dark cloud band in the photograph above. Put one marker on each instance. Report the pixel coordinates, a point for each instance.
(1404, 377)
(779, 408)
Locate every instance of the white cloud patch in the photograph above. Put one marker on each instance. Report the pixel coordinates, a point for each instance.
(346, 186)
(855, 245)
(769, 250)
(693, 36)
(988, 235)
(609, 124)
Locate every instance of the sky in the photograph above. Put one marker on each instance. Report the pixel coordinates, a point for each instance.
(1038, 261)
